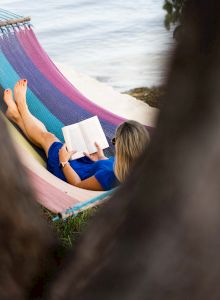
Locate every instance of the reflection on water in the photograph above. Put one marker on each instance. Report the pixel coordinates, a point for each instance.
(122, 43)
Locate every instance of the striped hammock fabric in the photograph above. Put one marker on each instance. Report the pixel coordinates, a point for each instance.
(52, 99)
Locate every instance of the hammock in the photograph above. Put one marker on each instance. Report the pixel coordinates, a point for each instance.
(54, 101)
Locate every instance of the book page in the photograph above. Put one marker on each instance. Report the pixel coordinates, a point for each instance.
(92, 132)
(74, 140)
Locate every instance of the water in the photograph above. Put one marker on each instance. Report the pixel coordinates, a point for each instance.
(122, 43)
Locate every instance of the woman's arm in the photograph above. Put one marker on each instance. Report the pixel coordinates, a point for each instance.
(72, 177)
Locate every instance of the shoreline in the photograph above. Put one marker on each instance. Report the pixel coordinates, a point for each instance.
(151, 96)
(123, 104)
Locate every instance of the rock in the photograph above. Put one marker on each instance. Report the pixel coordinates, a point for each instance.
(151, 96)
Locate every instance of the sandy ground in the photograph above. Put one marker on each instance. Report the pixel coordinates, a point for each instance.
(105, 96)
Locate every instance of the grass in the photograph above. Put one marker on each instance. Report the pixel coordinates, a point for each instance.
(69, 230)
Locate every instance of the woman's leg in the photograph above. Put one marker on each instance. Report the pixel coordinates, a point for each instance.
(31, 126)
(12, 112)
(34, 127)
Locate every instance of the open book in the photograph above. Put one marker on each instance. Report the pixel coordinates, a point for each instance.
(83, 135)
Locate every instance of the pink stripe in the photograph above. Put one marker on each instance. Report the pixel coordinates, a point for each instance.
(42, 61)
(50, 197)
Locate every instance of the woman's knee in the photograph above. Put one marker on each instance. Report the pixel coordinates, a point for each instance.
(48, 136)
(48, 139)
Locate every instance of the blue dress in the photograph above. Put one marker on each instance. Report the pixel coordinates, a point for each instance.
(103, 170)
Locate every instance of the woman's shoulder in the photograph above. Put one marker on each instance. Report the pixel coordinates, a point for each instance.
(105, 173)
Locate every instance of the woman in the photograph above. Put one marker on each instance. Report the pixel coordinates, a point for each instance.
(93, 172)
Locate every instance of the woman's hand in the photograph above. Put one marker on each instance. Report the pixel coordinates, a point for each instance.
(64, 154)
(97, 155)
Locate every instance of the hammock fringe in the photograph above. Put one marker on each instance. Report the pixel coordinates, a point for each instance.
(76, 209)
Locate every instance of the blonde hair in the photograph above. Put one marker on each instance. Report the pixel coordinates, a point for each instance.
(131, 140)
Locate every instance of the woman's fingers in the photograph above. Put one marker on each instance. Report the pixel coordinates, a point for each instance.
(93, 157)
(86, 154)
(66, 149)
(64, 154)
(99, 149)
(97, 146)
(65, 146)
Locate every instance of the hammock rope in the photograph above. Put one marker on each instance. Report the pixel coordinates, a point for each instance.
(8, 14)
(10, 20)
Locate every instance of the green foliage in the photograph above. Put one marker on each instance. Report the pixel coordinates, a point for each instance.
(69, 230)
(174, 11)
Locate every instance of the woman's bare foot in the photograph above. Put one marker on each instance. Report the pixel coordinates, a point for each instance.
(20, 90)
(12, 112)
